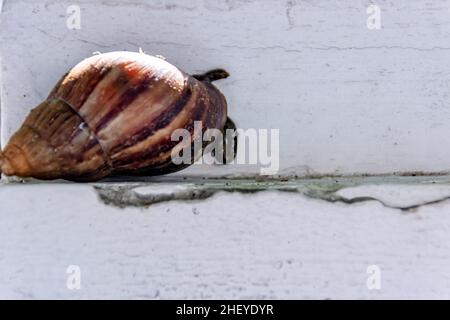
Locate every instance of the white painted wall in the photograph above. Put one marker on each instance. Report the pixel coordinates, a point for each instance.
(231, 246)
(346, 99)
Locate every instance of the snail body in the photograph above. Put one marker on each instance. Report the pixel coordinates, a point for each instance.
(113, 114)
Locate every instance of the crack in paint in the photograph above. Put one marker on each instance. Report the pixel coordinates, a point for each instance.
(125, 195)
(413, 207)
(140, 194)
(290, 4)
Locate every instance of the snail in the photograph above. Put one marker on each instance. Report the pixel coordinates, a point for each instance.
(113, 114)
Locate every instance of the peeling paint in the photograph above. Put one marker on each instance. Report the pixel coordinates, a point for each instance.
(125, 195)
(144, 194)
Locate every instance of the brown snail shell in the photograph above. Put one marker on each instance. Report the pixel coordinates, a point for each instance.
(111, 114)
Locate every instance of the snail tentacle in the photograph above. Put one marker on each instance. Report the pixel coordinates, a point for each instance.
(212, 75)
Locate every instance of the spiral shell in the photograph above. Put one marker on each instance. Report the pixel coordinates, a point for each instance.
(112, 113)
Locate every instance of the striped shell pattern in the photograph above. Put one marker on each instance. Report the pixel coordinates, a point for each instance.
(112, 113)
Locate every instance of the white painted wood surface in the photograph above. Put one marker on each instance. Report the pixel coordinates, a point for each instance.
(231, 246)
(346, 99)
